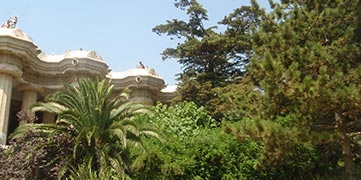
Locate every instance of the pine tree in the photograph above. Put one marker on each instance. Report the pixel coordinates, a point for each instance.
(209, 58)
(307, 61)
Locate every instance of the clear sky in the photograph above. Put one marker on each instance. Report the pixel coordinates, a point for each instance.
(119, 31)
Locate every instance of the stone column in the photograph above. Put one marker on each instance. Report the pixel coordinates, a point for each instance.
(48, 118)
(7, 73)
(30, 96)
(5, 97)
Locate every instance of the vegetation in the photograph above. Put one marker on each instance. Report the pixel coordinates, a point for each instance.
(209, 59)
(275, 95)
(299, 64)
(310, 67)
(101, 127)
(35, 156)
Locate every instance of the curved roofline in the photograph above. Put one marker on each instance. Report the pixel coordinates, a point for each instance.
(51, 71)
(15, 32)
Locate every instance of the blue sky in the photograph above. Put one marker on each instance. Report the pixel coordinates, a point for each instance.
(119, 31)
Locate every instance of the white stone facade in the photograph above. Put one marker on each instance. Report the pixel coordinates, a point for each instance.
(27, 75)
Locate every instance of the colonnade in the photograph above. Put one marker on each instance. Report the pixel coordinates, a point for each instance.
(8, 73)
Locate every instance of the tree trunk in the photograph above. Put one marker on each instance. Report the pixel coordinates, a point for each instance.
(350, 169)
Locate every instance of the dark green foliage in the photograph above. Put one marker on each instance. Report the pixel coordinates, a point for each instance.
(219, 156)
(239, 100)
(273, 96)
(193, 151)
(209, 58)
(307, 61)
(287, 152)
(305, 54)
(212, 154)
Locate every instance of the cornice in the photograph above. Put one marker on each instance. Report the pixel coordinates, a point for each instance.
(10, 70)
(25, 50)
(30, 87)
(32, 62)
(146, 82)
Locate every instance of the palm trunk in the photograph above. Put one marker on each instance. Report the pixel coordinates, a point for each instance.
(350, 169)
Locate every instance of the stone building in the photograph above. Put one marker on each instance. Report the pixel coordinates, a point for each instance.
(27, 75)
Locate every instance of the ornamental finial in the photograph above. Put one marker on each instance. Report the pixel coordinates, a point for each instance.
(10, 23)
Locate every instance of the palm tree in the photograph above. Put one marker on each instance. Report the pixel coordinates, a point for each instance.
(102, 126)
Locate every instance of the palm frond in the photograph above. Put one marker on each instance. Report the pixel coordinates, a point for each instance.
(121, 136)
(128, 109)
(151, 134)
(49, 107)
(102, 127)
(47, 129)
